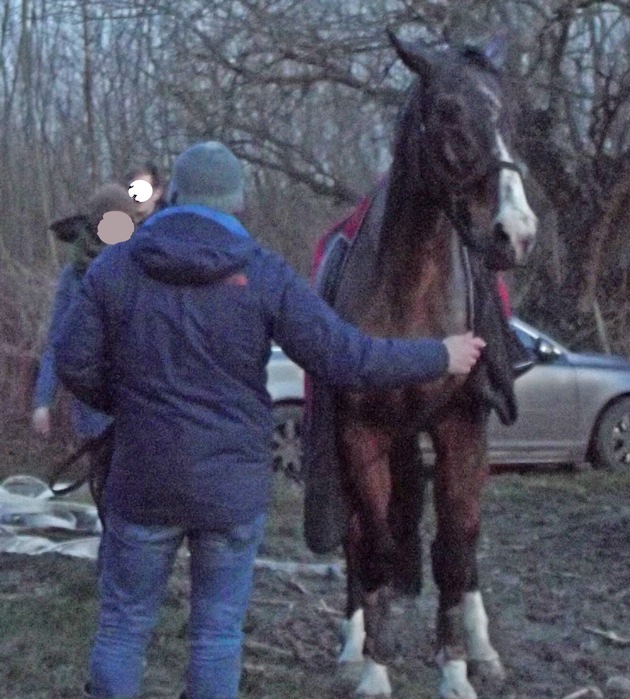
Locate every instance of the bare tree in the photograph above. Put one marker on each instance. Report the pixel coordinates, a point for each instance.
(307, 95)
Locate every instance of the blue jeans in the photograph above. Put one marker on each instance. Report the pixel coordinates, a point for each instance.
(135, 562)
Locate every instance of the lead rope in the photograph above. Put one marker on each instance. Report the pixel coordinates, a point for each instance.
(470, 289)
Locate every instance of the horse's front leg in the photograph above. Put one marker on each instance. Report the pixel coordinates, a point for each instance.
(462, 625)
(369, 550)
(353, 627)
(362, 630)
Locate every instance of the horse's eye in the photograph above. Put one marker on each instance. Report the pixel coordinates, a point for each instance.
(448, 110)
(460, 149)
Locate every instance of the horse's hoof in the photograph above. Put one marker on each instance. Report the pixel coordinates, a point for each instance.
(348, 675)
(374, 682)
(360, 694)
(455, 684)
(463, 690)
(488, 671)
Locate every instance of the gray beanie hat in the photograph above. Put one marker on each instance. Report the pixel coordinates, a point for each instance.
(208, 174)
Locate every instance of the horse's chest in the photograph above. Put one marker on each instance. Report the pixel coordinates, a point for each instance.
(412, 408)
(428, 299)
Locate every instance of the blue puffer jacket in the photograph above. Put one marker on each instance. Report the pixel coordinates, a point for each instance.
(171, 333)
(86, 421)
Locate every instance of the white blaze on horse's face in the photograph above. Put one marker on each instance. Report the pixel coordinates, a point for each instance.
(514, 214)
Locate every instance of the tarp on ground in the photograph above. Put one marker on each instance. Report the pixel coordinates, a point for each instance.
(34, 521)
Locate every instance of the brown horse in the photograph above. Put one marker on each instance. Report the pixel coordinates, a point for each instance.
(452, 211)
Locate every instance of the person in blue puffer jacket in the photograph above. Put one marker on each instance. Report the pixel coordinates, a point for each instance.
(171, 334)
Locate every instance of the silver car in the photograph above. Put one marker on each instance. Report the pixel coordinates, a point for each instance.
(573, 408)
(285, 383)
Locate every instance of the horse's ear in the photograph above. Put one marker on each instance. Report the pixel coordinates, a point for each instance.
(496, 50)
(69, 229)
(416, 57)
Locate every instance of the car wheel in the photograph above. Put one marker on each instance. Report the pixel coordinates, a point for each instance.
(612, 437)
(287, 443)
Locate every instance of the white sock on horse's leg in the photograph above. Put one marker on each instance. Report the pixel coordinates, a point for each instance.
(484, 661)
(454, 683)
(353, 634)
(476, 626)
(374, 680)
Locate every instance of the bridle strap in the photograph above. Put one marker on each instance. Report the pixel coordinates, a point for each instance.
(470, 285)
(507, 165)
(460, 219)
(459, 216)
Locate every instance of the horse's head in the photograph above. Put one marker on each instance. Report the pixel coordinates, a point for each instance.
(460, 119)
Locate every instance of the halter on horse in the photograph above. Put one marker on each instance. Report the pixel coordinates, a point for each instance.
(451, 212)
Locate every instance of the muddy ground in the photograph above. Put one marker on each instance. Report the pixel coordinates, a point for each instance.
(555, 571)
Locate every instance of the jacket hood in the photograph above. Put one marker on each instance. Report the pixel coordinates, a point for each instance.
(191, 245)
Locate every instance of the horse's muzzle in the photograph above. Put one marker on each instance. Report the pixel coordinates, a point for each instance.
(509, 251)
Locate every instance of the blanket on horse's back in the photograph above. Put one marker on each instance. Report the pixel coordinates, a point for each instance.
(343, 272)
(325, 509)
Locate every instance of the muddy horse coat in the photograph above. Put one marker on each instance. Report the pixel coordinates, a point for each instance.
(451, 212)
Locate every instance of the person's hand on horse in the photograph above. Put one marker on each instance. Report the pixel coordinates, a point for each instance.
(41, 421)
(463, 352)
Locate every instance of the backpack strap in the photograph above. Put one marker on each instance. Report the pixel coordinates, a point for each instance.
(87, 446)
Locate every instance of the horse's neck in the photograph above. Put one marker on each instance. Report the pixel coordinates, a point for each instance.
(422, 267)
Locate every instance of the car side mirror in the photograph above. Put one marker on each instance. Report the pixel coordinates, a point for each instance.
(546, 351)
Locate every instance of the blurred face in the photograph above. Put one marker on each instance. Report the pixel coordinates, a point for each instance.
(115, 227)
(139, 192)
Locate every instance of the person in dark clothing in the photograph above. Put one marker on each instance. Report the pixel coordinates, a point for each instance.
(150, 173)
(171, 334)
(81, 231)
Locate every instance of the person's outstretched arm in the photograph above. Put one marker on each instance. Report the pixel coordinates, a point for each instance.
(337, 352)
